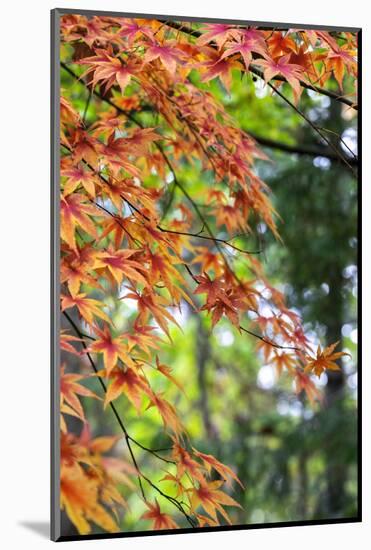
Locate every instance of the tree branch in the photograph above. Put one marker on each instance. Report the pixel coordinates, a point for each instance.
(308, 150)
(313, 126)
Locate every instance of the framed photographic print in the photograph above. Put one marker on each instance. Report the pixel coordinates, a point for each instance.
(205, 189)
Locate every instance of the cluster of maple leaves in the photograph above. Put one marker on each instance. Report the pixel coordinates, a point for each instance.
(122, 237)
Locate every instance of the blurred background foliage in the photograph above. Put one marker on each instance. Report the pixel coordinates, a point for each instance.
(296, 462)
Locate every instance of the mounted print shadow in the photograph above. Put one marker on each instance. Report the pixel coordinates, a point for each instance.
(204, 275)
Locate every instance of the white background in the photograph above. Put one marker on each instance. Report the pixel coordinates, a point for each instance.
(24, 261)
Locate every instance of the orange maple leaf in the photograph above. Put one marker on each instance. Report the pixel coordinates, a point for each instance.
(219, 66)
(169, 55)
(119, 264)
(282, 66)
(149, 302)
(142, 338)
(216, 32)
(212, 499)
(159, 519)
(129, 383)
(211, 462)
(87, 307)
(79, 498)
(282, 360)
(70, 389)
(186, 464)
(75, 211)
(339, 60)
(166, 371)
(167, 412)
(324, 360)
(304, 383)
(76, 176)
(109, 70)
(65, 340)
(112, 349)
(250, 41)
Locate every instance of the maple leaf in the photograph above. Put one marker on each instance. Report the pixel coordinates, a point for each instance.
(118, 470)
(78, 176)
(282, 360)
(151, 303)
(186, 464)
(216, 32)
(129, 383)
(119, 264)
(74, 274)
(118, 227)
(169, 56)
(208, 260)
(180, 489)
(107, 126)
(213, 288)
(206, 520)
(75, 212)
(65, 340)
(218, 66)
(167, 412)
(108, 70)
(139, 139)
(228, 215)
(166, 371)
(79, 498)
(97, 445)
(304, 383)
(112, 349)
(250, 41)
(212, 499)
(117, 150)
(88, 308)
(142, 338)
(227, 303)
(324, 360)
(159, 519)
(68, 114)
(132, 30)
(282, 66)
(115, 154)
(339, 60)
(75, 267)
(280, 44)
(307, 59)
(85, 147)
(71, 451)
(162, 268)
(86, 485)
(219, 299)
(70, 389)
(211, 462)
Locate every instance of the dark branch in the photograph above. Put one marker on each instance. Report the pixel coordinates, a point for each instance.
(307, 150)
